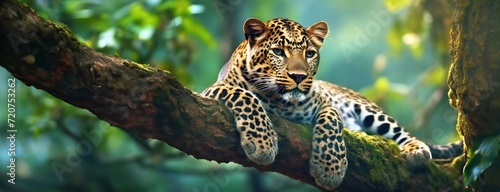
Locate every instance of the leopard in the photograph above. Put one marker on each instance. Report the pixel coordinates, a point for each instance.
(272, 71)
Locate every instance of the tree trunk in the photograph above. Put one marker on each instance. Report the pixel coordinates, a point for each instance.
(153, 104)
(474, 77)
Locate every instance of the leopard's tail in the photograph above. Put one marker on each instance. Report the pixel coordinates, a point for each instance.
(447, 151)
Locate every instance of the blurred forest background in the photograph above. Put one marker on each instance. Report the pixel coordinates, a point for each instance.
(395, 52)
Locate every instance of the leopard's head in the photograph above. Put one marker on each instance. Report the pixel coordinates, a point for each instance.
(282, 57)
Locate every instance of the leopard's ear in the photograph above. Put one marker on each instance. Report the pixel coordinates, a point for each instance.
(254, 30)
(318, 32)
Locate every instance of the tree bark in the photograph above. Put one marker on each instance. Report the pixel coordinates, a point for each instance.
(474, 77)
(153, 104)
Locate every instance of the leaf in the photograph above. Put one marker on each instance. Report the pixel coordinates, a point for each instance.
(436, 76)
(482, 158)
(378, 91)
(198, 30)
(395, 5)
(394, 37)
(415, 20)
(139, 16)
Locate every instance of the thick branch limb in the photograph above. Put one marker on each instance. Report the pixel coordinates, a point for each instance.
(153, 104)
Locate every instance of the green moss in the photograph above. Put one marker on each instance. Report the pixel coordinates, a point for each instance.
(439, 174)
(134, 65)
(304, 131)
(387, 171)
(378, 156)
(73, 42)
(458, 163)
(435, 180)
(29, 59)
(142, 70)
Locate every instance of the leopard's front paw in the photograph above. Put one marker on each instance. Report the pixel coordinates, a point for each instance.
(261, 148)
(328, 171)
(417, 153)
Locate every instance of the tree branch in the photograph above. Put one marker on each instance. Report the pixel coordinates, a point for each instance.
(153, 104)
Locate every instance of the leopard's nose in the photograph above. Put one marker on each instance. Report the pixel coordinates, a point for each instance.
(297, 77)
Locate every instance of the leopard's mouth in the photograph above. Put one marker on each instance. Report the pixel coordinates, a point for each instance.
(294, 95)
(296, 92)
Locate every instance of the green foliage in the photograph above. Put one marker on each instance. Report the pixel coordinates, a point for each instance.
(481, 159)
(436, 76)
(408, 31)
(161, 33)
(382, 91)
(394, 37)
(396, 5)
(188, 24)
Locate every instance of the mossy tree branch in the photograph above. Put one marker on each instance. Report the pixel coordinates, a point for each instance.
(153, 104)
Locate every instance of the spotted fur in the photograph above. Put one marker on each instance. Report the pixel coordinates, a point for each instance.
(272, 71)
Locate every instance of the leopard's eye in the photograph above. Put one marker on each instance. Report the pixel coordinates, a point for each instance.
(279, 52)
(310, 53)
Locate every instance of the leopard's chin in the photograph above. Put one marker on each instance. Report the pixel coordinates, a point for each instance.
(294, 95)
